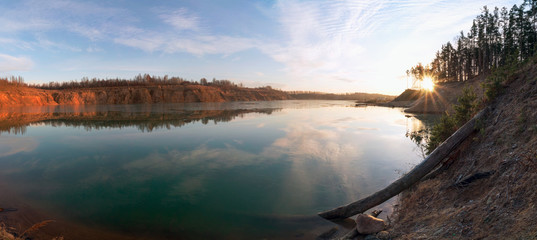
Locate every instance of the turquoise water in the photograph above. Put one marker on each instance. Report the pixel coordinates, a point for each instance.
(235, 170)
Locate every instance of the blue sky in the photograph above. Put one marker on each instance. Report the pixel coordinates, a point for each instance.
(330, 46)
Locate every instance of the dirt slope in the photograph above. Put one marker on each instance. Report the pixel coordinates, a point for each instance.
(438, 101)
(489, 190)
(13, 96)
(443, 96)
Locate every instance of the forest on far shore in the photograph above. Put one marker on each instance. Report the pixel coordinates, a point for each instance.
(139, 80)
(147, 80)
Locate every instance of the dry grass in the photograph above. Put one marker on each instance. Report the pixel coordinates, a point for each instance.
(8, 233)
(5, 234)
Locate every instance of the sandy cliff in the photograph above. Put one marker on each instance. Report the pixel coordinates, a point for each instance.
(10, 96)
(132, 95)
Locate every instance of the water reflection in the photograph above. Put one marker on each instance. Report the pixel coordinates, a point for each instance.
(418, 130)
(263, 172)
(418, 122)
(144, 117)
(10, 145)
(315, 153)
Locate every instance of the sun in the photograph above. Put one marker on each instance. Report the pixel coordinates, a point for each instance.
(427, 84)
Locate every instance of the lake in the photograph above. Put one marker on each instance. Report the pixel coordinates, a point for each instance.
(242, 170)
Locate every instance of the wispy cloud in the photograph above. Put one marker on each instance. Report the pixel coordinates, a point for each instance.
(15, 43)
(146, 43)
(12, 63)
(187, 36)
(323, 39)
(437, 15)
(94, 49)
(209, 44)
(46, 43)
(180, 19)
(194, 44)
(40, 18)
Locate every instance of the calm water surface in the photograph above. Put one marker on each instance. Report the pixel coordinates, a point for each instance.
(239, 170)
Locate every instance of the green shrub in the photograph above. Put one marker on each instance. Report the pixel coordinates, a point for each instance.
(493, 84)
(441, 131)
(465, 109)
(493, 87)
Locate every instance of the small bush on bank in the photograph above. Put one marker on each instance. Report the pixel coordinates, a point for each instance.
(440, 132)
(465, 109)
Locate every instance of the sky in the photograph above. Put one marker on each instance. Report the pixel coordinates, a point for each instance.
(327, 46)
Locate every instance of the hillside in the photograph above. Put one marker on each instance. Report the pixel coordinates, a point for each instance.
(405, 99)
(444, 96)
(487, 190)
(19, 96)
(409, 95)
(439, 100)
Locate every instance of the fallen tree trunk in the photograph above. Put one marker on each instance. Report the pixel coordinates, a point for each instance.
(410, 178)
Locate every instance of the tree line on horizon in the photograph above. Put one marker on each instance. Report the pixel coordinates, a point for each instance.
(147, 80)
(140, 80)
(497, 38)
(13, 81)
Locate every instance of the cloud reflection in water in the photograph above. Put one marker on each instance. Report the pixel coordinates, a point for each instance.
(13, 145)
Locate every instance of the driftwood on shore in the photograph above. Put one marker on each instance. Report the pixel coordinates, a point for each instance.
(410, 178)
